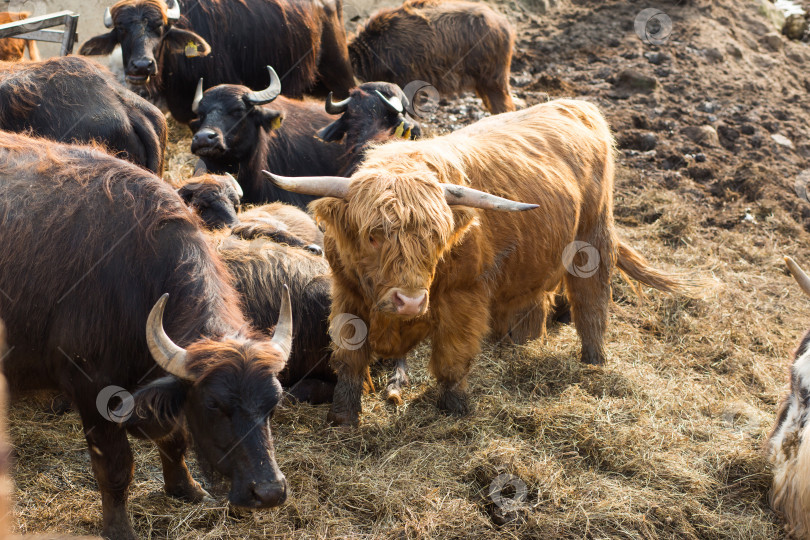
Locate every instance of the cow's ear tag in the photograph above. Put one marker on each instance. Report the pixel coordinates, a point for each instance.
(276, 122)
(191, 50)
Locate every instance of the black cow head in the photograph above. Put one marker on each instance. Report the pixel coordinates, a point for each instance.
(215, 198)
(229, 118)
(227, 390)
(145, 31)
(373, 111)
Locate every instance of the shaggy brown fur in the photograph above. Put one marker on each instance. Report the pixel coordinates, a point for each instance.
(73, 99)
(90, 243)
(13, 49)
(271, 219)
(454, 46)
(394, 230)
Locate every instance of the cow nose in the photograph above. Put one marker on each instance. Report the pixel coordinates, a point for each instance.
(144, 65)
(409, 305)
(204, 137)
(269, 494)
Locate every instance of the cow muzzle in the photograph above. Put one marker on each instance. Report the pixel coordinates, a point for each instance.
(140, 69)
(405, 302)
(260, 494)
(207, 143)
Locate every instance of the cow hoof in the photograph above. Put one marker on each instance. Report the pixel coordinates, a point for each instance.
(119, 531)
(342, 420)
(394, 396)
(191, 493)
(593, 359)
(454, 402)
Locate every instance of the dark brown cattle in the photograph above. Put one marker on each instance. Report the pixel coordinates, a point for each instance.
(454, 46)
(242, 132)
(13, 49)
(95, 250)
(73, 99)
(167, 48)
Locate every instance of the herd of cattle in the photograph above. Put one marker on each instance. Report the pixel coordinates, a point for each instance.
(210, 313)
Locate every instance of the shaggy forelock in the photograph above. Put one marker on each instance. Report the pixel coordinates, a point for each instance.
(157, 6)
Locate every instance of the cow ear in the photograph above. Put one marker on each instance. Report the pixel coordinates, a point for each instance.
(333, 132)
(186, 194)
(158, 407)
(328, 211)
(269, 118)
(186, 42)
(99, 45)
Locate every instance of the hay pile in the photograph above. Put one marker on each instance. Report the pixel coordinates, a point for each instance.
(663, 441)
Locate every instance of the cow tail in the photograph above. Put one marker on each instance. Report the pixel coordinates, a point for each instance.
(632, 264)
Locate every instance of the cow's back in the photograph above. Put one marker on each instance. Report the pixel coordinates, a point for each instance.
(90, 243)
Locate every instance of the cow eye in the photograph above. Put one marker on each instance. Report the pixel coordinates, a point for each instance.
(375, 243)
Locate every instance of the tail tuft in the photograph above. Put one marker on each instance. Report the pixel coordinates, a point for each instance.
(632, 264)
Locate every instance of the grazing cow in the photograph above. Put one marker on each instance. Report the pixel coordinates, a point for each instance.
(166, 47)
(90, 244)
(454, 46)
(73, 99)
(425, 239)
(13, 49)
(240, 131)
(788, 446)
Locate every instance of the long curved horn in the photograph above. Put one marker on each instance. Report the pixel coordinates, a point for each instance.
(166, 352)
(198, 94)
(465, 196)
(282, 337)
(268, 94)
(798, 274)
(319, 186)
(336, 108)
(393, 103)
(173, 13)
(235, 185)
(108, 20)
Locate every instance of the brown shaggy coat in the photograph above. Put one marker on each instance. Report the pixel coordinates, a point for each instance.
(454, 46)
(485, 270)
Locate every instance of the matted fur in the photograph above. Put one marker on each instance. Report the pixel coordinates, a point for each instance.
(483, 269)
(73, 99)
(452, 45)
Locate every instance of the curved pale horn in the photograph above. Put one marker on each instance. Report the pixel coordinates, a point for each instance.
(393, 103)
(466, 196)
(268, 94)
(336, 108)
(319, 186)
(198, 94)
(235, 185)
(798, 274)
(108, 20)
(166, 353)
(282, 337)
(173, 13)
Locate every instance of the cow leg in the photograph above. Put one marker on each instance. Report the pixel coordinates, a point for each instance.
(463, 321)
(495, 95)
(177, 480)
(588, 292)
(351, 368)
(398, 379)
(113, 467)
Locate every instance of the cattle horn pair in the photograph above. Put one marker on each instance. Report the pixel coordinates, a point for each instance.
(393, 103)
(268, 94)
(798, 274)
(337, 108)
(338, 187)
(172, 358)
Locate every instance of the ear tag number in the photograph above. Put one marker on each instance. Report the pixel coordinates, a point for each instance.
(191, 50)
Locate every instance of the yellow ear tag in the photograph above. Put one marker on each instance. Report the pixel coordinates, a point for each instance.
(191, 50)
(276, 122)
(407, 134)
(399, 130)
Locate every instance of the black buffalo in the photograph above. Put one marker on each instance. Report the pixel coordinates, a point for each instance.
(90, 244)
(242, 131)
(73, 99)
(168, 48)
